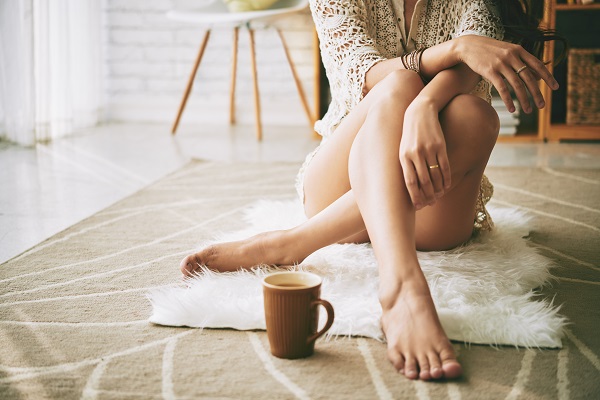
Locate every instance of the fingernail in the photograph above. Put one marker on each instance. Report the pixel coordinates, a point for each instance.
(511, 109)
(541, 104)
(417, 206)
(555, 86)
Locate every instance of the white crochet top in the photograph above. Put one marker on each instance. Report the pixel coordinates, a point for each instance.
(354, 35)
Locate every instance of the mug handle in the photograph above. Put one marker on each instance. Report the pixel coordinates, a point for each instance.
(330, 316)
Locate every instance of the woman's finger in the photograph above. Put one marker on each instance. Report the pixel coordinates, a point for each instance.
(528, 77)
(445, 169)
(412, 184)
(437, 180)
(519, 88)
(503, 91)
(425, 181)
(539, 69)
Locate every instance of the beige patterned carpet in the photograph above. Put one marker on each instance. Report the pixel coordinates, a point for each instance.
(73, 312)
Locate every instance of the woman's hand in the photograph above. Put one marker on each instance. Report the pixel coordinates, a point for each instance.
(502, 63)
(423, 154)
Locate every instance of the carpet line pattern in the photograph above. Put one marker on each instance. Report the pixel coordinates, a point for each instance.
(421, 390)
(101, 274)
(382, 391)
(128, 249)
(28, 373)
(522, 375)
(190, 202)
(168, 389)
(547, 198)
(272, 369)
(183, 217)
(80, 332)
(586, 351)
(568, 257)
(545, 214)
(562, 374)
(83, 296)
(571, 176)
(75, 324)
(131, 212)
(90, 392)
(72, 235)
(573, 280)
(232, 187)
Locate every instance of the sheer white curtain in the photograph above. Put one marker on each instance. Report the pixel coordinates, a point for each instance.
(16, 72)
(50, 67)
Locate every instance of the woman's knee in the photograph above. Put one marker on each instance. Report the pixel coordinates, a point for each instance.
(470, 123)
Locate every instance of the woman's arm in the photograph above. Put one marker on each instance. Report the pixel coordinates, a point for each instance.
(434, 60)
(423, 142)
(477, 42)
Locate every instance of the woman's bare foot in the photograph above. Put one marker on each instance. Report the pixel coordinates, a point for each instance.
(417, 344)
(271, 248)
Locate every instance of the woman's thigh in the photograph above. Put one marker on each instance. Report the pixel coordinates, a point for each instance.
(326, 177)
(470, 127)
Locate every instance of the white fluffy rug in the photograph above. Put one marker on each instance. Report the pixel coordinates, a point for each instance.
(483, 290)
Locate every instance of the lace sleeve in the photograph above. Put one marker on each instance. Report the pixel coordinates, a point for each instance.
(480, 18)
(347, 47)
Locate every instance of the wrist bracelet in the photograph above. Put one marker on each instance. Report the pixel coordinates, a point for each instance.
(412, 62)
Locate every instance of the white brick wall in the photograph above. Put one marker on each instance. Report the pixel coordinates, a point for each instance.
(149, 58)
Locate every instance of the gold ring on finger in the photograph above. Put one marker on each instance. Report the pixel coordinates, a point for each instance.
(523, 68)
(434, 166)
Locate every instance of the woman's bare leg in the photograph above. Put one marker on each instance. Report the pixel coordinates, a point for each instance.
(331, 225)
(376, 179)
(432, 354)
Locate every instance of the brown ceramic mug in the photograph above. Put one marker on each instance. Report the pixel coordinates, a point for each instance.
(292, 313)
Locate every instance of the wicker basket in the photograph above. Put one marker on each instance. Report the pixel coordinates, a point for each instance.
(583, 87)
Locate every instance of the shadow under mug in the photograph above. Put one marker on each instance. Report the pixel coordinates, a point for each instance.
(292, 302)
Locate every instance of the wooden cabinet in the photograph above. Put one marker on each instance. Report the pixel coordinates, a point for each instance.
(550, 125)
(547, 128)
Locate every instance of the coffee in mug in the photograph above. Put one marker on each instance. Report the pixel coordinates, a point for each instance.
(292, 313)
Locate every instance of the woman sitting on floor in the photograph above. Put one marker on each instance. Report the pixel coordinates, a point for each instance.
(405, 143)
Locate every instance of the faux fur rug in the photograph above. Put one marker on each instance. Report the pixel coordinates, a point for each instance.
(483, 291)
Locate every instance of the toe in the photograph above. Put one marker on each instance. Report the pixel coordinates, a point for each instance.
(396, 359)
(450, 366)
(410, 368)
(424, 368)
(452, 369)
(184, 266)
(189, 265)
(435, 366)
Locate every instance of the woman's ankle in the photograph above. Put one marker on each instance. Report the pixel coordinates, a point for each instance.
(391, 288)
(283, 246)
